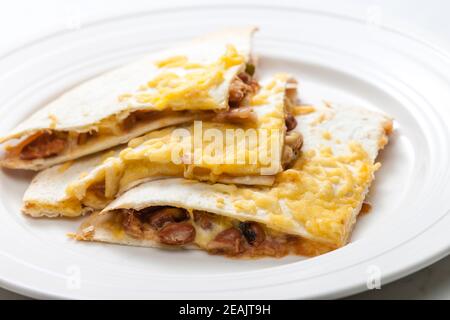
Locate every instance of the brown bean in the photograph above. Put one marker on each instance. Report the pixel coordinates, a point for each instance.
(237, 92)
(294, 139)
(203, 219)
(98, 189)
(228, 241)
(291, 122)
(177, 233)
(292, 145)
(245, 77)
(157, 219)
(253, 233)
(132, 225)
(288, 156)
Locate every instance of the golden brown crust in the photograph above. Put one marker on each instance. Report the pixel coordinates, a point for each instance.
(388, 128)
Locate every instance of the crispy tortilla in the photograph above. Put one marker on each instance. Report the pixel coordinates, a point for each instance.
(89, 184)
(170, 87)
(316, 201)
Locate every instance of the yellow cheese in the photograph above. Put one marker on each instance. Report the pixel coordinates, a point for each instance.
(63, 168)
(53, 121)
(326, 135)
(177, 61)
(220, 202)
(190, 89)
(302, 110)
(320, 191)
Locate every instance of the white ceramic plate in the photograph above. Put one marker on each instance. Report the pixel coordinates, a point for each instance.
(336, 58)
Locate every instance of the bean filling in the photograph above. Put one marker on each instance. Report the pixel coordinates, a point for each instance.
(51, 144)
(44, 146)
(175, 227)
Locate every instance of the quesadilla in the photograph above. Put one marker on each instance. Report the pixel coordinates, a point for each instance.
(247, 150)
(310, 209)
(209, 75)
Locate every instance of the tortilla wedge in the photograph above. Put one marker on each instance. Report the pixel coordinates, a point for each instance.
(162, 89)
(311, 208)
(90, 183)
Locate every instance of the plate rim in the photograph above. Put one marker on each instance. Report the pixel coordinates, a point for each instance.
(32, 292)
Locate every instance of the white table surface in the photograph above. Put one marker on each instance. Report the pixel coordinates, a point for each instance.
(22, 20)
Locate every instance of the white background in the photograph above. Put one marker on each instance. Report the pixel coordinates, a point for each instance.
(22, 21)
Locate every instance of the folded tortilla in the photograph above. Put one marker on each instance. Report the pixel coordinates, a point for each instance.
(207, 75)
(230, 149)
(311, 208)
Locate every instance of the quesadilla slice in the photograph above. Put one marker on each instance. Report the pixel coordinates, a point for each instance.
(311, 208)
(206, 76)
(226, 148)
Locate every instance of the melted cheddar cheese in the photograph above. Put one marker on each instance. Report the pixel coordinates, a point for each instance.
(182, 84)
(196, 148)
(192, 151)
(320, 192)
(179, 84)
(302, 110)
